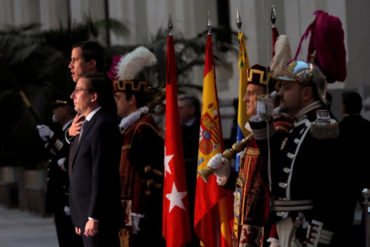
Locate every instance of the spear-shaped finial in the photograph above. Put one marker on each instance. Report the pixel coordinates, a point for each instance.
(209, 24)
(170, 25)
(273, 15)
(238, 20)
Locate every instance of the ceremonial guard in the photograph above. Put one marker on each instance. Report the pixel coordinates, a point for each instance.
(141, 167)
(251, 201)
(57, 193)
(303, 164)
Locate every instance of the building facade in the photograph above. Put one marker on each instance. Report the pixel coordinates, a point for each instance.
(145, 17)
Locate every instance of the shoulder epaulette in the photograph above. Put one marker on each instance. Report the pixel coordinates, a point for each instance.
(323, 131)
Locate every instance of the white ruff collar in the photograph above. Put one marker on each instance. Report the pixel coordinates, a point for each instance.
(126, 122)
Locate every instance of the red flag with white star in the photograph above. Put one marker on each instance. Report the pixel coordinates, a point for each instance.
(176, 222)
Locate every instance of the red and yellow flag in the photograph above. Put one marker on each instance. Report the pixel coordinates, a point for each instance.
(213, 204)
(176, 221)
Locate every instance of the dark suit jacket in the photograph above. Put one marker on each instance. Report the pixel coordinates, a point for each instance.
(94, 173)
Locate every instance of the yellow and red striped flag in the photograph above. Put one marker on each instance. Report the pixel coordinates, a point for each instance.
(213, 204)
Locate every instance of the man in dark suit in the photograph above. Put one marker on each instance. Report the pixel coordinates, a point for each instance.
(94, 164)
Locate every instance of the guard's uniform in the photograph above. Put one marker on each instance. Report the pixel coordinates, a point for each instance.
(251, 198)
(303, 178)
(57, 193)
(141, 172)
(142, 158)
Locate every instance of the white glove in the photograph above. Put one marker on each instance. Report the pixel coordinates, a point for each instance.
(67, 210)
(220, 167)
(135, 222)
(264, 108)
(273, 242)
(44, 132)
(61, 162)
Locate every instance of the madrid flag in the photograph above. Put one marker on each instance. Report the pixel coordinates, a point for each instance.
(176, 222)
(213, 209)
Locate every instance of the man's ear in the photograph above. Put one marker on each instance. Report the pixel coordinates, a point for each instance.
(307, 93)
(91, 64)
(94, 97)
(132, 100)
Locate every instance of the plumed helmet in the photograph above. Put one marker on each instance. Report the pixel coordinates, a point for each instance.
(326, 47)
(305, 73)
(128, 72)
(282, 55)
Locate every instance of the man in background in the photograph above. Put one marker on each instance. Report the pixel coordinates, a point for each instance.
(86, 57)
(189, 111)
(57, 199)
(141, 167)
(355, 141)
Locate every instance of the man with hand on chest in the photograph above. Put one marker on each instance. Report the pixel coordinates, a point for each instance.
(94, 164)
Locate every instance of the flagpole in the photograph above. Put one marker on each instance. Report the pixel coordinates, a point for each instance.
(273, 15)
(238, 21)
(209, 23)
(170, 25)
(275, 32)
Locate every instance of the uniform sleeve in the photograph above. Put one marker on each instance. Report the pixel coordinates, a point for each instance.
(147, 157)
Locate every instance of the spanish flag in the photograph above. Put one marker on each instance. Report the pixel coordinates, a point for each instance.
(213, 205)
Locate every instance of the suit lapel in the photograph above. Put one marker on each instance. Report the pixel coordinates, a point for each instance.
(72, 154)
(79, 141)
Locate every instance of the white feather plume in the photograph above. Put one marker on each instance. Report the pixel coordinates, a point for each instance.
(134, 62)
(282, 55)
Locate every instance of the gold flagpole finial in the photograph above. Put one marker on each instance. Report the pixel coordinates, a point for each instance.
(238, 20)
(170, 25)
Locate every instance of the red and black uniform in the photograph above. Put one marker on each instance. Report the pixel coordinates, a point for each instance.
(141, 171)
(251, 201)
(252, 197)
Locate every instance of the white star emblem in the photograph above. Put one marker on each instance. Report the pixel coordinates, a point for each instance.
(167, 160)
(175, 198)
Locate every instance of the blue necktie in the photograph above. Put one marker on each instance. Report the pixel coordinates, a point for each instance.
(82, 129)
